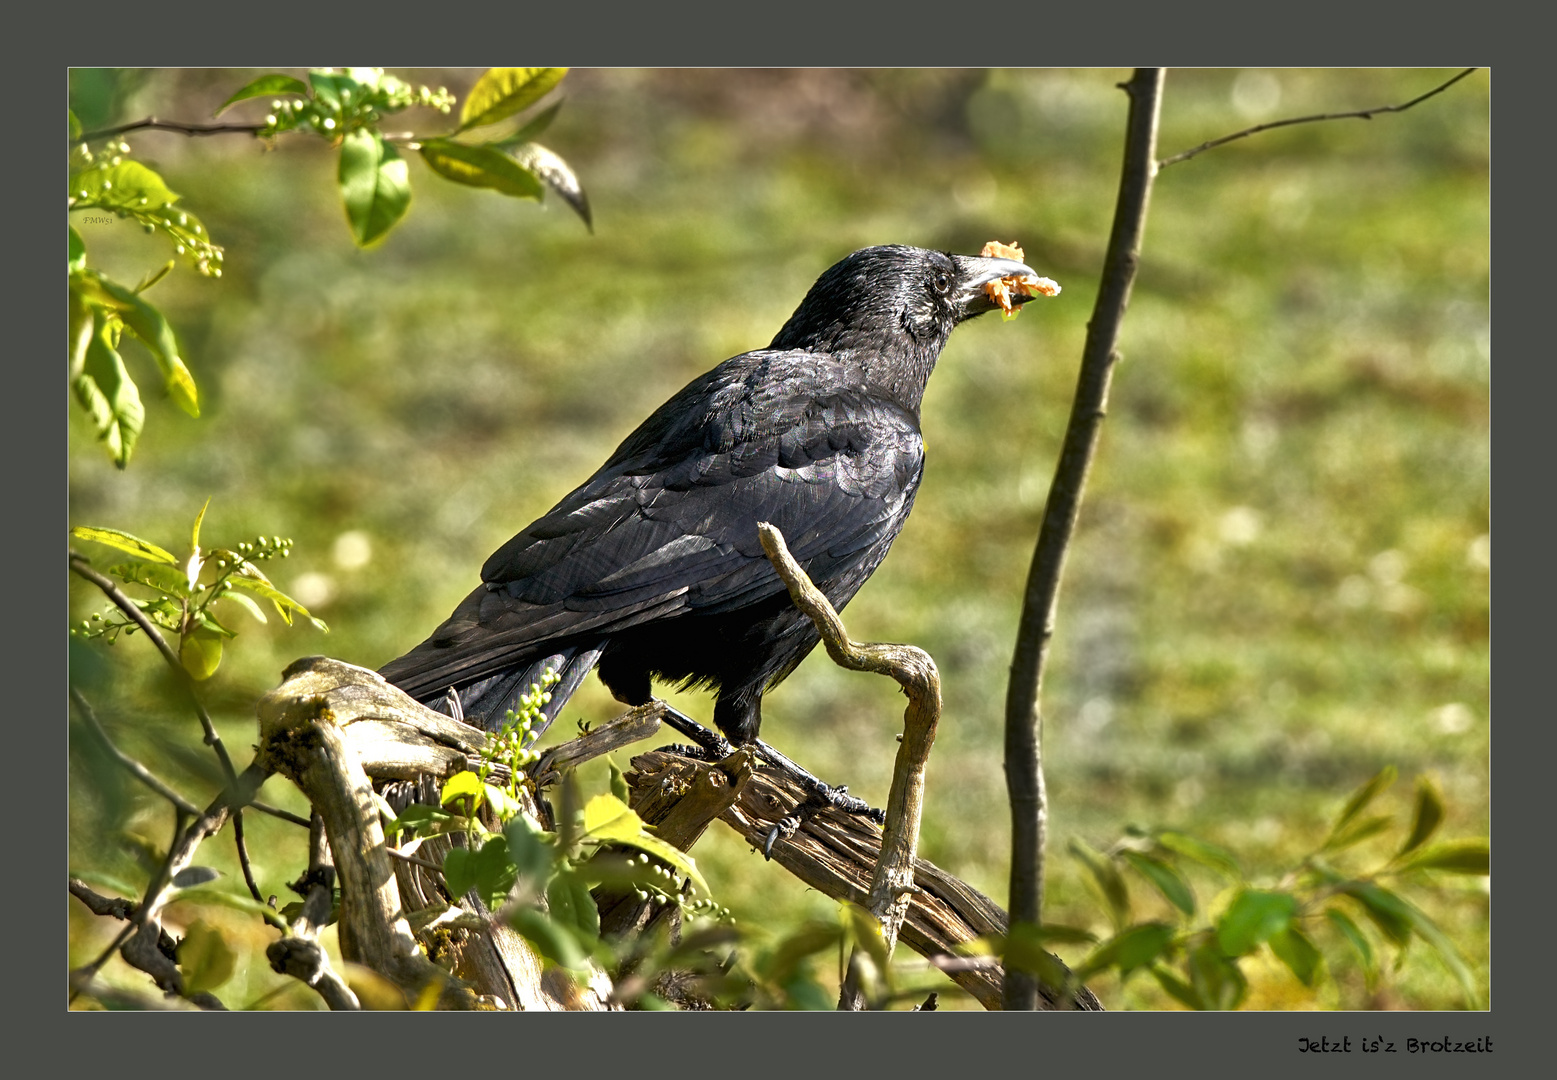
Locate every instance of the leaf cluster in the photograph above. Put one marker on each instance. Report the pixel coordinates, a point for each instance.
(184, 592)
(1308, 918)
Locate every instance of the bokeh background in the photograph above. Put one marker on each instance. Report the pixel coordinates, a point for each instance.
(1280, 582)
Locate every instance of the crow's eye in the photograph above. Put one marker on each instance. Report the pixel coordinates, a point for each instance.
(942, 281)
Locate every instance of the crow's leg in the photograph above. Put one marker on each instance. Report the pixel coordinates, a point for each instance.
(715, 747)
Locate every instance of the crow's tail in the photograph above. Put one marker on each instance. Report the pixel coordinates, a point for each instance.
(486, 702)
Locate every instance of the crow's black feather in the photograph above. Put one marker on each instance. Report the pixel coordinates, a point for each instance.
(653, 568)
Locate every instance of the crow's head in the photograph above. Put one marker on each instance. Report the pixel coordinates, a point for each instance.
(895, 298)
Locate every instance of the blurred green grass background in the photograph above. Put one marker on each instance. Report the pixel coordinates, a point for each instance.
(1280, 582)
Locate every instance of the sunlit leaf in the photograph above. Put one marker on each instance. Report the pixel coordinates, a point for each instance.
(246, 604)
(375, 185)
(75, 125)
(124, 541)
(463, 785)
(459, 870)
(1024, 950)
(1357, 831)
(501, 92)
(1426, 815)
(77, 250)
(1253, 917)
(160, 576)
(480, 166)
(864, 932)
(201, 653)
(530, 851)
(128, 185)
(104, 389)
(558, 175)
(619, 786)
(1168, 880)
(265, 86)
(205, 958)
(155, 276)
(283, 603)
(608, 818)
(148, 324)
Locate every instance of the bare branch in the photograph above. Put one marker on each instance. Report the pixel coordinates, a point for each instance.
(83, 568)
(151, 123)
(1024, 718)
(1360, 114)
(135, 768)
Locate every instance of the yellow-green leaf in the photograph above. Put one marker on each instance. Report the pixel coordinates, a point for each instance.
(501, 92)
(124, 541)
(607, 818)
(201, 654)
(205, 957)
(375, 185)
(460, 785)
(480, 166)
(265, 86)
(103, 388)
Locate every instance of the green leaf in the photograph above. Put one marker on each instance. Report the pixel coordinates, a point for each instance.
(148, 324)
(1356, 938)
(1168, 880)
(1361, 798)
(558, 175)
(158, 575)
(1133, 948)
(283, 603)
(265, 86)
(463, 785)
(862, 930)
(327, 87)
(1458, 857)
(109, 396)
(571, 905)
(1388, 912)
(1358, 831)
(247, 604)
(607, 818)
(128, 186)
(1024, 949)
(421, 817)
(501, 92)
(459, 871)
(205, 958)
(533, 856)
(375, 185)
(1429, 932)
(1206, 854)
(1105, 875)
(1426, 816)
(480, 166)
(201, 653)
(194, 532)
(550, 939)
(77, 250)
(1298, 953)
(81, 318)
(533, 127)
(1253, 917)
(155, 276)
(124, 541)
(75, 125)
(1217, 979)
(494, 873)
(1177, 988)
(806, 940)
(619, 786)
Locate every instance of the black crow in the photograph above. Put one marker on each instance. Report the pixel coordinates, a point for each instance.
(652, 569)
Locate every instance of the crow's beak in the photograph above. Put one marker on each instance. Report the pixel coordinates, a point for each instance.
(977, 271)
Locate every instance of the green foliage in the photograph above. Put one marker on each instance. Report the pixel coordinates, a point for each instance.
(345, 107)
(1201, 964)
(185, 591)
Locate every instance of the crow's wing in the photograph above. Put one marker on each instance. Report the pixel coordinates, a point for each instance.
(669, 525)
